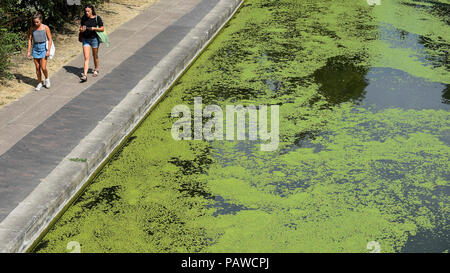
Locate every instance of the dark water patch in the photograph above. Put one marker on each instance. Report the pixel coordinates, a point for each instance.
(433, 240)
(390, 169)
(399, 38)
(395, 88)
(417, 4)
(277, 56)
(292, 183)
(189, 167)
(306, 142)
(341, 80)
(319, 29)
(244, 148)
(106, 196)
(429, 241)
(223, 207)
(161, 221)
(41, 245)
(269, 4)
(281, 52)
(219, 93)
(441, 49)
(118, 154)
(193, 188)
(439, 9)
(304, 139)
(188, 184)
(293, 82)
(366, 29)
(429, 51)
(446, 95)
(273, 85)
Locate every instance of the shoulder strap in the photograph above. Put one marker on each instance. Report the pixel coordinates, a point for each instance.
(45, 29)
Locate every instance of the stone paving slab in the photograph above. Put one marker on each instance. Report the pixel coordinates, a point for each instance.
(37, 177)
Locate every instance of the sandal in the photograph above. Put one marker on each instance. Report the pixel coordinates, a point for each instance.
(83, 77)
(95, 73)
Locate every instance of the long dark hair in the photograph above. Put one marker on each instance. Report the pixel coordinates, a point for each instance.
(91, 7)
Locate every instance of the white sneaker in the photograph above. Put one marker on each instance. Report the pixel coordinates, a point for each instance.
(47, 83)
(38, 87)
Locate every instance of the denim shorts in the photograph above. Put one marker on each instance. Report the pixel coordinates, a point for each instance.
(39, 50)
(91, 42)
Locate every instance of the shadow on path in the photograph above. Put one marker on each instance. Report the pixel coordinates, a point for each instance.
(25, 79)
(74, 70)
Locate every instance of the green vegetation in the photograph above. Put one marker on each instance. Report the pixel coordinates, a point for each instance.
(343, 175)
(78, 159)
(10, 43)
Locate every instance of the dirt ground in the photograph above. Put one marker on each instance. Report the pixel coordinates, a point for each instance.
(114, 13)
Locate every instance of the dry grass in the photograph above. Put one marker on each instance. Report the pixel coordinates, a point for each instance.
(114, 13)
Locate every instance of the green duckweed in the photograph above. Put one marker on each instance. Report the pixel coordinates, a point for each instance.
(343, 175)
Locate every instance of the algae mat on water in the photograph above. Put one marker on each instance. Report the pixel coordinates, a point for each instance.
(346, 172)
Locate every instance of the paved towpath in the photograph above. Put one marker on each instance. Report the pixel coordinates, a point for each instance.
(38, 131)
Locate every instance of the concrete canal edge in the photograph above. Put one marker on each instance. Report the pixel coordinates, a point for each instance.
(22, 228)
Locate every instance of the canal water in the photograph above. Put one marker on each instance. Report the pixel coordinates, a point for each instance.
(363, 95)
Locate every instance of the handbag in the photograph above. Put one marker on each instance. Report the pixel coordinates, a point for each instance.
(80, 37)
(102, 36)
(52, 48)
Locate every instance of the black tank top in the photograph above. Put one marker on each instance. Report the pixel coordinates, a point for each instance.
(90, 22)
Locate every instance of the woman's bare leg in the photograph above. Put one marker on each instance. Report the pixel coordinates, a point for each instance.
(44, 67)
(37, 63)
(86, 53)
(95, 55)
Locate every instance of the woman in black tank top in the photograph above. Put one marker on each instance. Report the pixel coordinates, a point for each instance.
(90, 23)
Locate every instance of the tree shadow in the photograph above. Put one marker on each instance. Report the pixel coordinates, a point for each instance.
(25, 79)
(341, 80)
(446, 95)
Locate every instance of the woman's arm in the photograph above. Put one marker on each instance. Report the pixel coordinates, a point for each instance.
(29, 44)
(101, 29)
(50, 41)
